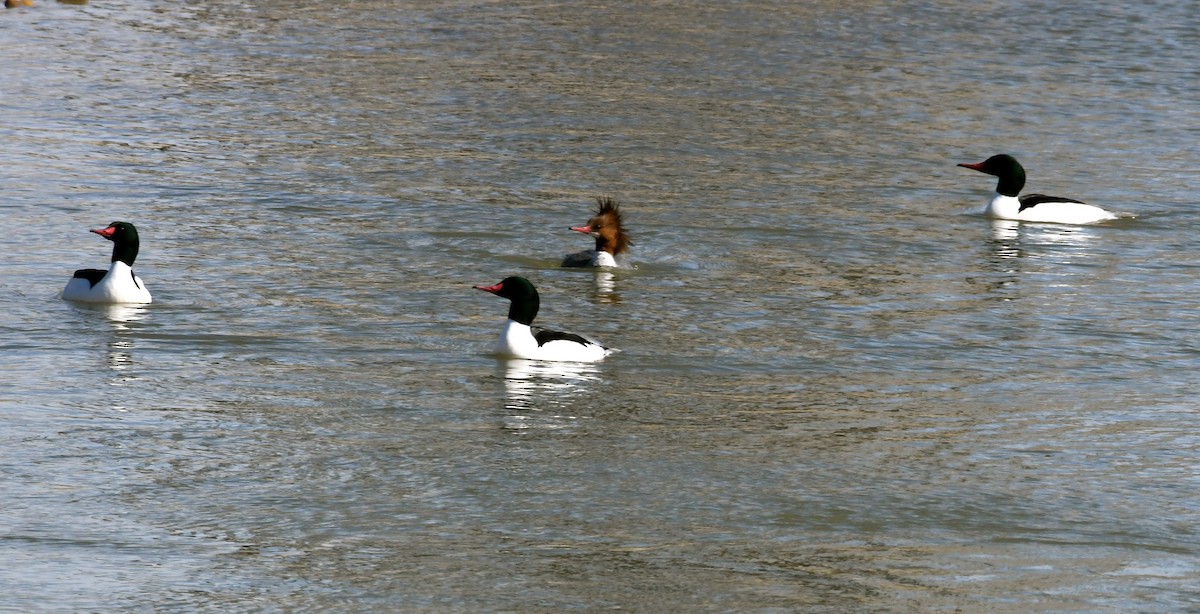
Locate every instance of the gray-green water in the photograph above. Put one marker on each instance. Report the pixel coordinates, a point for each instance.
(839, 389)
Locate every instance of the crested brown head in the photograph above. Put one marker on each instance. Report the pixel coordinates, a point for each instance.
(607, 227)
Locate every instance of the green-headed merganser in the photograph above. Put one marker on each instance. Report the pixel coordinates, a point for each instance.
(118, 284)
(1006, 205)
(520, 339)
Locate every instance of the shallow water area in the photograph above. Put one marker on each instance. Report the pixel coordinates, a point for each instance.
(839, 388)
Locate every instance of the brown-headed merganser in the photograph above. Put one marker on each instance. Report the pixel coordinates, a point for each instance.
(520, 339)
(118, 284)
(611, 240)
(1006, 205)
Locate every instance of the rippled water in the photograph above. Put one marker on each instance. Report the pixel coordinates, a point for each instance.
(839, 389)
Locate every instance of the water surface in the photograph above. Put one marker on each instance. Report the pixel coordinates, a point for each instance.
(839, 389)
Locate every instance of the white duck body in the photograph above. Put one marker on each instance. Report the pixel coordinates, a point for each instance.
(520, 341)
(604, 259)
(119, 285)
(1052, 211)
(590, 258)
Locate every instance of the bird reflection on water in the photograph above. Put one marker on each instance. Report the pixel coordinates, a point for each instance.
(1012, 239)
(123, 321)
(540, 394)
(605, 288)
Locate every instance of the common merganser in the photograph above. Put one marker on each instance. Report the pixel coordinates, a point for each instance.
(118, 284)
(521, 339)
(611, 240)
(1006, 205)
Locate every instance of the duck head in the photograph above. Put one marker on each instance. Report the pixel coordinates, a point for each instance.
(606, 228)
(1004, 167)
(522, 294)
(125, 241)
